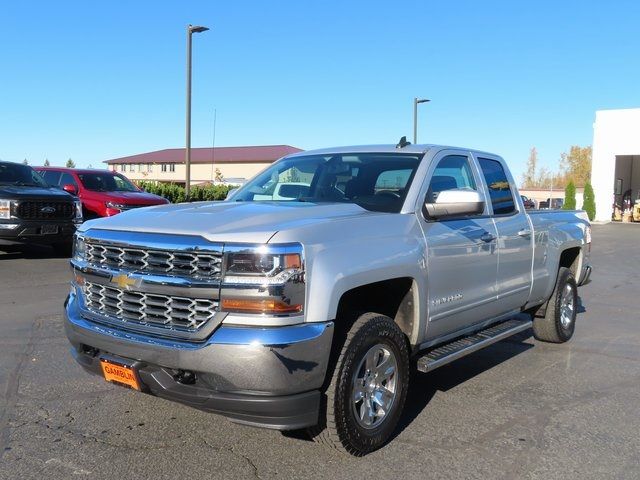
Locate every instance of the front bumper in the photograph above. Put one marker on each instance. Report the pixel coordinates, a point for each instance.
(31, 232)
(269, 377)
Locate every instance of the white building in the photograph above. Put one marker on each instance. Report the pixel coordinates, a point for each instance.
(616, 159)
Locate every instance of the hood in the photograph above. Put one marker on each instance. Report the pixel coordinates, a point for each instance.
(132, 198)
(9, 192)
(252, 222)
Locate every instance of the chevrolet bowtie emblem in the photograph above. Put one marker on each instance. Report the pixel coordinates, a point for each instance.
(123, 281)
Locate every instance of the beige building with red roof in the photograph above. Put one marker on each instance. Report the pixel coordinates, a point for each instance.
(230, 165)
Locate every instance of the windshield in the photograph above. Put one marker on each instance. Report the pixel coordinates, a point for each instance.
(21, 175)
(375, 181)
(106, 182)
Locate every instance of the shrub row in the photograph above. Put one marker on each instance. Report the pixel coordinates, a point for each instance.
(176, 193)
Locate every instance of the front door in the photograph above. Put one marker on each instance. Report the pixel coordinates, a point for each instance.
(462, 257)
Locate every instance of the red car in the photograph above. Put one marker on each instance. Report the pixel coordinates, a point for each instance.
(102, 193)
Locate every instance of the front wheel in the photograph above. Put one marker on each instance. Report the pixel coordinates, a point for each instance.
(368, 387)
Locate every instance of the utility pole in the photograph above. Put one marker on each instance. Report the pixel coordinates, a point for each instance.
(416, 101)
(187, 159)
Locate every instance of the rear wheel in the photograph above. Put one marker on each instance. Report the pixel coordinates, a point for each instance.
(559, 321)
(368, 387)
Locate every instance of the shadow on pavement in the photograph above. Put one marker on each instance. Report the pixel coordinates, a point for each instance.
(423, 386)
(16, 252)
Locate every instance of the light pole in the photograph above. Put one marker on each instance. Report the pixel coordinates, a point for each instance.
(416, 101)
(187, 159)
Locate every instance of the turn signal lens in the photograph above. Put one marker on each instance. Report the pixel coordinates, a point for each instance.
(242, 305)
(292, 260)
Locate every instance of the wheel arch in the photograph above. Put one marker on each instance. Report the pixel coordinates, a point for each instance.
(397, 298)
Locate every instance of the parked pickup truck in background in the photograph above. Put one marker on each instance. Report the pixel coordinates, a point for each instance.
(307, 313)
(102, 193)
(31, 212)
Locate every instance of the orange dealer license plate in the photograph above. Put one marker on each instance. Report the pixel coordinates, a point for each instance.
(119, 373)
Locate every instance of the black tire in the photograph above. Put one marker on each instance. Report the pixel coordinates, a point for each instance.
(341, 429)
(551, 327)
(63, 249)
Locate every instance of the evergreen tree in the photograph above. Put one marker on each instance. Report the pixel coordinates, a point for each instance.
(589, 204)
(46, 162)
(71, 164)
(569, 196)
(25, 161)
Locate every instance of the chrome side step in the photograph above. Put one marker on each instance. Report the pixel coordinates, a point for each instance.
(449, 352)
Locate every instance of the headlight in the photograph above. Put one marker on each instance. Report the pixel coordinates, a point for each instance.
(266, 279)
(5, 209)
(115, 206)
(261, 267)
(78, 207)
(79, 248)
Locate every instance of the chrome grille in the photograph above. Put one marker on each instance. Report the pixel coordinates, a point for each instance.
(204, 265)
(139, 308)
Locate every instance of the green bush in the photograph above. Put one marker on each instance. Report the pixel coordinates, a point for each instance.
(589, 202)
(176, 193)
(570, 196)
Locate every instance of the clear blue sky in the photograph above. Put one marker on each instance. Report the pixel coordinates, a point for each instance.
(98, 80)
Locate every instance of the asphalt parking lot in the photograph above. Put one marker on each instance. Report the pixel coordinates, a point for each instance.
(519, 409)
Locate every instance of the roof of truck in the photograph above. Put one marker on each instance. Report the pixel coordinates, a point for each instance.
(385, 148)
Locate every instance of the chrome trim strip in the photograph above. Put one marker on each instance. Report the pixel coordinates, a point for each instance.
(262, 320)
(152, 241)
(150, 283)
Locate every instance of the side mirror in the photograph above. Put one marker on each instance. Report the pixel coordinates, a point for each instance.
(231, 193)
(70, 188)
(455, 202)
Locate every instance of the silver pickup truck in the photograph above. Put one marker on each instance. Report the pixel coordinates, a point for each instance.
(309, 311)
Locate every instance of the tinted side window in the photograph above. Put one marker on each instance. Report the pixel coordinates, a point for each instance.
(67, 179)
(453, 171)
(499, 188)
(52, 178)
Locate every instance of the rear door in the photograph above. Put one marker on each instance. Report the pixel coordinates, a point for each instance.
(515, 242)
(462, 259)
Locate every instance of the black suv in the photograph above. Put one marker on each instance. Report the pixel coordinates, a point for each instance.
(33, 212)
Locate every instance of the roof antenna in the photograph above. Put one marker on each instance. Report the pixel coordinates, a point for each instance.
(403, 142)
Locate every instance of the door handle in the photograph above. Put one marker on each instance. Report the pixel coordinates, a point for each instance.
(525, 232)
(487, 237)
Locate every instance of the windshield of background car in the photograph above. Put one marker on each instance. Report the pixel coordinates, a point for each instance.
(375, 181)
(106, 182)
(20, 175)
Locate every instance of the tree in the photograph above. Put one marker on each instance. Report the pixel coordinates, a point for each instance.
(25, 161)
(569, 196)
(46, 162)
(70, 164)
(576, 165)
(589, 202)
(529, 176)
